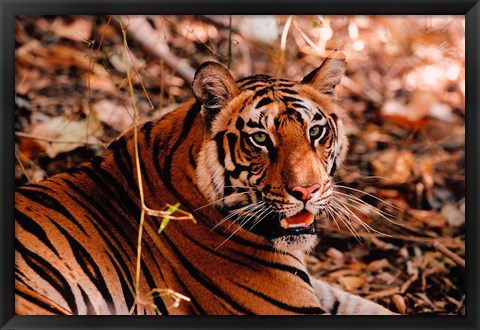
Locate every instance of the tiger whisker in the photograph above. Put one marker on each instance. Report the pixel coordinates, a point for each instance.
(236, 230)
(242, 187)
(232, 214)
(345, 220)
(332, 216)
(353, 198)
(356, 218)
(262, 216)
(247, 208)
(348, 214)
(249, 211)
(221, 199)
(253, 213)
(365, 193)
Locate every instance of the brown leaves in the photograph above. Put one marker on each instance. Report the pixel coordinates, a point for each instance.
(394, 166)
(59, 135)
(402, 95)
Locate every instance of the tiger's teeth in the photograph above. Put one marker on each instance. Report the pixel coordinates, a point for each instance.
(292, 222)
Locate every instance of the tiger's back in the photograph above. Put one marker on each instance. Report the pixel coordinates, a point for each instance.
(77, 231)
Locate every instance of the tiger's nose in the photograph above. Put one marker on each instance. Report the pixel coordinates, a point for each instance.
(304, 193)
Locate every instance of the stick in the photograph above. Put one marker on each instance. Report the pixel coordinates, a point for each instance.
(142, 32)
(449, 254)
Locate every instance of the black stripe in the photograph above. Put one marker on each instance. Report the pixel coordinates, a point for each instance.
(285, 84)
(295, 115)
(125, 281)
(289, 99)
(253, 124)
(99, 223)
(165, 173)
(287, 91)
(270, 264)
(120, 245)
(88, 302)
(244, 144)
(145, 172)
(29, 225)
(191, 157)
(125, 167)
(318, 116)
(240, 123)
(220, 149)
(299, 106)
(134, 211)
(147, 131)
(49, 273)
(115, 188)
(334, 309)
(204, 280)
(185, 289)
(261, 92)
(263, 102)
(89, 267)
(50, 202)
(38, 302)
(218, 254)
(232, 141)
(301, 310)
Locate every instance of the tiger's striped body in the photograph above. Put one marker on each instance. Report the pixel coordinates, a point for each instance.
(76, 233)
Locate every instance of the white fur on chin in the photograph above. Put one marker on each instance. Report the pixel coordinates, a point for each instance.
(304, 243)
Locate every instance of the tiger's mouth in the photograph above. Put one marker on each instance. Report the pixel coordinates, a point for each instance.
(275, 226)
(301, 219)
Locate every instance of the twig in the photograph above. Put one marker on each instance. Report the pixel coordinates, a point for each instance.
(143, 33)
(22, 167)
(449, 254)
(50, 140)
(367, 94)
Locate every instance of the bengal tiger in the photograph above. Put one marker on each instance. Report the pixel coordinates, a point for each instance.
(252, 161)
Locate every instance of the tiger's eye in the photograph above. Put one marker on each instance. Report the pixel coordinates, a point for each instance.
(260, 137)
(314, 131)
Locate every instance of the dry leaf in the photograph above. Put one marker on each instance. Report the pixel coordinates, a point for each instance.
(113, 114)
(351, 283)
(336, 255)
(399, 303)
(66, 135)
(377, 265)
(80, 29)
(429, 218)
(260, 28)
(394, 166)
(454, 216)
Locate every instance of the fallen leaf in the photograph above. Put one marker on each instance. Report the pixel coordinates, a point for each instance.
(351, 283)
(430, 218)
(377, 265)
(66, 135)
(399, 302)
(454, 216)
(394, 166)
(113, 114)
(79, 29)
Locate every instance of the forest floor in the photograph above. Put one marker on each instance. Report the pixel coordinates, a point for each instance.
(403, 94)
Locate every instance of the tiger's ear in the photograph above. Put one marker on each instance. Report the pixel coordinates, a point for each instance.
(328, 74)
(214, 87)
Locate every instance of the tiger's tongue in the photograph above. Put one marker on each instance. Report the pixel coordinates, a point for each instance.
(301, 219)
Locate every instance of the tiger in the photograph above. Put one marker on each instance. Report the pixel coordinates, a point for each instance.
(251, 160)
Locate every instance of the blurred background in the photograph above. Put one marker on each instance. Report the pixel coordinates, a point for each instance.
(403, 95)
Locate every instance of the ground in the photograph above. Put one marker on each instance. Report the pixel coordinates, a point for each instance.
(402, 98)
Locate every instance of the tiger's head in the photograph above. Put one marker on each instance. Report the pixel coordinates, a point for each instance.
(270, 149)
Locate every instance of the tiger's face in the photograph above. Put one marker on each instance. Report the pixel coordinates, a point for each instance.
(271, 148)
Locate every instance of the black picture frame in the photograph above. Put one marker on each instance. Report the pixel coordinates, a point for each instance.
(11, 8)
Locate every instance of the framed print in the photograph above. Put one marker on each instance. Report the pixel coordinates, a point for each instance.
(278, 165)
